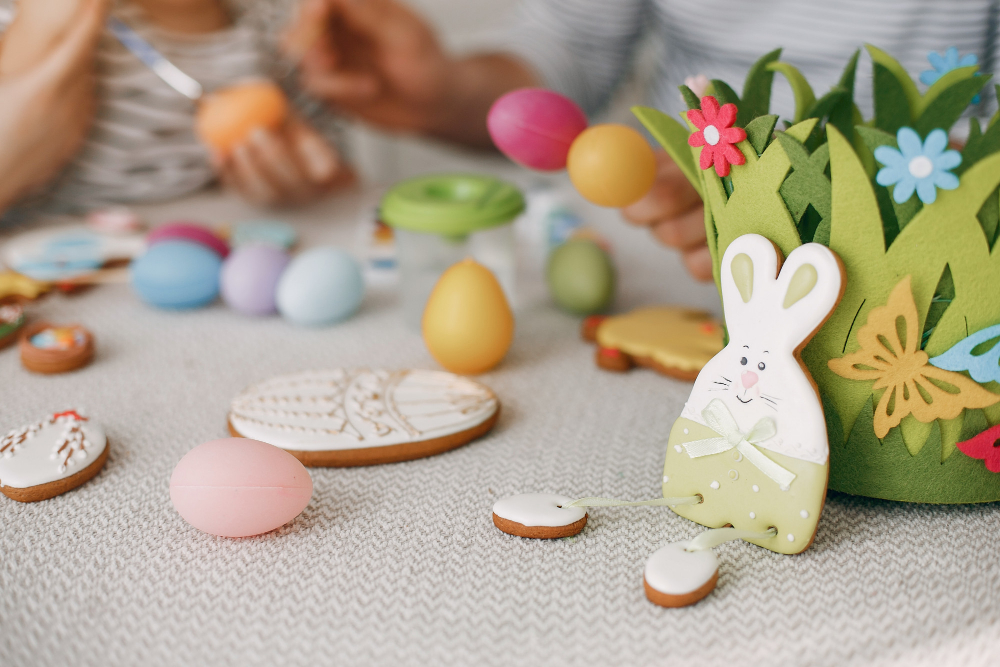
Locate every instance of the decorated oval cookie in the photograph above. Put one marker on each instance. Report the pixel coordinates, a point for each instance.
(48, 348)
(51, 456)
(59, 253)
(677, 577)
(538, 516)
(364, 417)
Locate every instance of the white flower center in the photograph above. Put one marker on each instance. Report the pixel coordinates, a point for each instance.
(921, 167)
(712, 135)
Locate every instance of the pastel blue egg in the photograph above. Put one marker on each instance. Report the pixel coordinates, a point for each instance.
(320, 286)
(177, 275)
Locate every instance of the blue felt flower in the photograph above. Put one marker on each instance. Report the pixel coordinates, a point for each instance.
(915, 166)
(943, 64)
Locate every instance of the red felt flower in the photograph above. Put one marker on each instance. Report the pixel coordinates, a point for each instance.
(717, 134)
(986, 446)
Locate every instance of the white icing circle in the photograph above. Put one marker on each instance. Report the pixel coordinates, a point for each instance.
(753, 515)
(673, 570)
(686, 431)
(756, 488)
(711, 135)
(791, 538)
(804, 514)
(51, 449)
(714, 485)
(921, 167)
(539, 509)
(665, 479)
(678, 449)
(342, 409)
(734, 475)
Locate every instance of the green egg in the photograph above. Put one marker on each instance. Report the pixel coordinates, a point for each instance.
(581, 277)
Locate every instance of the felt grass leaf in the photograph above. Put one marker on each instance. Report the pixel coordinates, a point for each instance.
(843, 113)
(979, 354)
(945, 109)
(890, 356)
(690, 98)
(989, 218)
(805, 98)
(918, 166)
(892, 110)
(808, 183)
(756, 100)
(760, 131)
(674, 138)
(724, 93)
(985, 446)
(944, 294)
(895, 216)
(905, 84)
(979, 144)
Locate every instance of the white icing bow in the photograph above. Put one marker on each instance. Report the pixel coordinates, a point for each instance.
(718, 418)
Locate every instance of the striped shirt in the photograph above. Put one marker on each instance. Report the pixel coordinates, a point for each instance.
(142, 145)
(587, 48)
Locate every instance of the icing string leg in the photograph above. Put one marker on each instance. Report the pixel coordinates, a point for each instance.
(655, 502)
(681, 573)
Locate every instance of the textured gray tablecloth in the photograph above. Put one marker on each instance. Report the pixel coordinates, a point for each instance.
(400, 564)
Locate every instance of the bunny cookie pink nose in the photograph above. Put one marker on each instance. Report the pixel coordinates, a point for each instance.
(749, 379)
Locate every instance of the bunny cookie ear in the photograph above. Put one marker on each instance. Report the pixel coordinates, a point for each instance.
(747, 274)
(810, 286)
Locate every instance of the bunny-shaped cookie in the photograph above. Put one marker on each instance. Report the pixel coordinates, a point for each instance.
(752, 436)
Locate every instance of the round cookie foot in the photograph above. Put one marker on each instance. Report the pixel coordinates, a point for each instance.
(538, 516)
(588, 330)
(611, 359)
(676, 577)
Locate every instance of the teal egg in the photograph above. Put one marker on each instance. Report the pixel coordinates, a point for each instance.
(581, 277)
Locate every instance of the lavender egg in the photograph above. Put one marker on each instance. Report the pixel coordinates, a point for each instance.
(249, 279)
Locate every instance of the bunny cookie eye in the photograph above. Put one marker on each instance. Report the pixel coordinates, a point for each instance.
(743, 361)
(760, 366)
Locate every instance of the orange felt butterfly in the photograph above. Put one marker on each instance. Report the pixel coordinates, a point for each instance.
(912, 386)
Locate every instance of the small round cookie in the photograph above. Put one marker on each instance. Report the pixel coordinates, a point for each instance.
(11, 321)
(676, 577)
(47, 348)
(51, 456)
(539, 516)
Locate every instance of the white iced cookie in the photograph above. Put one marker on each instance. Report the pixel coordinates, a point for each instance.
(364, 417)
(676, 577)
(51, 456)
(58, 253)
(539, 516)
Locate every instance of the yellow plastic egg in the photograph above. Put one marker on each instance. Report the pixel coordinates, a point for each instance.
(611, 165)
(468, 325)
(227, 116)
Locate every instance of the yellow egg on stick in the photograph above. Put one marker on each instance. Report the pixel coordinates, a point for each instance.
(611, 165)
(468, 325)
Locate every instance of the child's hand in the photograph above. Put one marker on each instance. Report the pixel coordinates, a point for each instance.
(293, 165)
(673, 211)
(47, 108)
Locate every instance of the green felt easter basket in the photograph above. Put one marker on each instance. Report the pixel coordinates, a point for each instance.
(907, 365)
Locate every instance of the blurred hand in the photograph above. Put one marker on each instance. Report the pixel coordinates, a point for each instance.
(374, 59)
(294, 165)
(674, 214)
(47, 109)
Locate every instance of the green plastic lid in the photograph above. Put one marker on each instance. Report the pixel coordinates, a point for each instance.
(451, 204)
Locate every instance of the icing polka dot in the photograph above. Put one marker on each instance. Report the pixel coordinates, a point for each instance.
(804, 514)
(733, 475)
(665, 479)
(686, 431)
(753, 515)
(714, 485)
(756, 488)
(737, 455)
(791, 538)
(678, 449)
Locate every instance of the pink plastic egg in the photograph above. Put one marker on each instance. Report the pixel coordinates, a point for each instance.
(535, 127)
(237, 487)
(189, 231)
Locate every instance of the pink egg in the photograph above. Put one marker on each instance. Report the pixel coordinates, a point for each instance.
(237, 487)
(189, 231)
(535, 127)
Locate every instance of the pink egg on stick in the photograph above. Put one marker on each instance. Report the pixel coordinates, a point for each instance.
(237, 487)
(535, 127)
